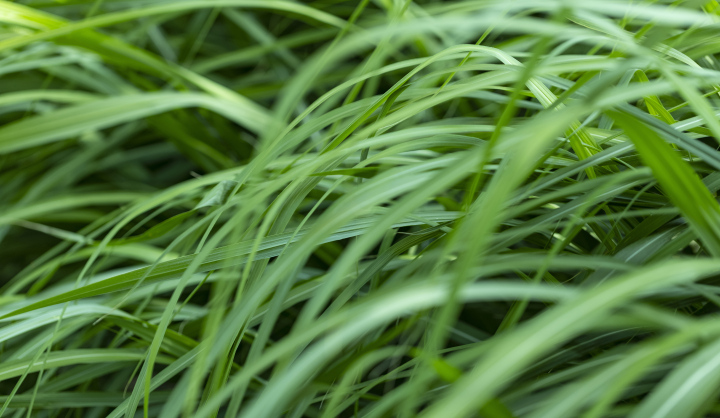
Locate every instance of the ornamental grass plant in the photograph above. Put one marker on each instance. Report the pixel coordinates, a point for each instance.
(359, 208)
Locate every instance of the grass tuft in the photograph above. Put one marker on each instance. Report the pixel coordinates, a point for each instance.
(266, 208)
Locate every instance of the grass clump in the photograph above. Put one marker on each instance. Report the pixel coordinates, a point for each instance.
(359, 208)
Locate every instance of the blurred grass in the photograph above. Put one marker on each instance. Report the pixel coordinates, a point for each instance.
(366, 208)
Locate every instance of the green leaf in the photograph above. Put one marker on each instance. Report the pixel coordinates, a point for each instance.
(99, 114)
(678, 180)
(220, 257)
(164, 227)
(64, 358)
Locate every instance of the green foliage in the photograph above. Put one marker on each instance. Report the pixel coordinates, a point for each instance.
(364, 208)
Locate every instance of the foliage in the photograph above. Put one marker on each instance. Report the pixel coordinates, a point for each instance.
(266, 208)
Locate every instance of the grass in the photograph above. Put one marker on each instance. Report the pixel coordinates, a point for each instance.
(267, 208)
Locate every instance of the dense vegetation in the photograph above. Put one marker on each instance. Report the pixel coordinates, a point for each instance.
(366, 208)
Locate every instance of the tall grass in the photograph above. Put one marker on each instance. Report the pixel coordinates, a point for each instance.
(266, 208)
